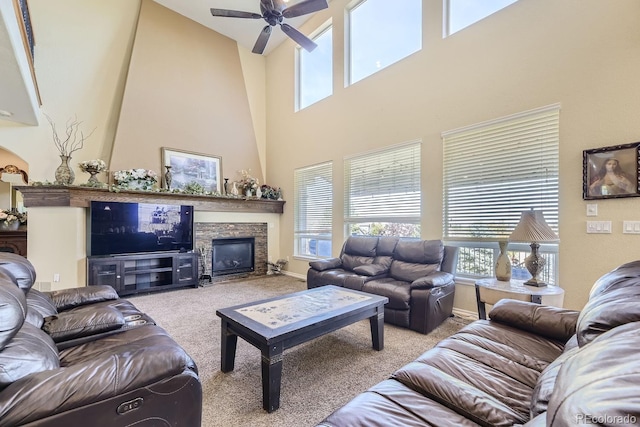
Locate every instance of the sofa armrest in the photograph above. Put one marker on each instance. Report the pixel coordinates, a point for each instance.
(74, 297)
(439, 278)
(326, 264)
(83, 322)
(552, 322)
(371, 270)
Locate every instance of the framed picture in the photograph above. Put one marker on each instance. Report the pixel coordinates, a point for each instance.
(188, 168)
(611, 172)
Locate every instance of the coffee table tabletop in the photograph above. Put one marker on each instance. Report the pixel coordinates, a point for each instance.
(275, 324)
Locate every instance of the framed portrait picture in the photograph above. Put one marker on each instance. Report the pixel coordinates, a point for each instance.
(611, 172)
(188, 167)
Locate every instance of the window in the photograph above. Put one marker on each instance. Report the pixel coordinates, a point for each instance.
(492, 172)
(381, 33)
(382, 192)
(313, 210)
(462, 13)
(315, 70)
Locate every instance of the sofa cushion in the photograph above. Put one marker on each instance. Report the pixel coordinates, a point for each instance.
(419, 251)
(75, 297)
(30, 351)
(370, 269)
(39, 306)
(361, 246)
(13, 310)
(600, 381)
(398, 292)
(326, 264)
(83, 322)
(350, 262)
(19, 268)
(410, 272)
(607, 310)
(552, 322)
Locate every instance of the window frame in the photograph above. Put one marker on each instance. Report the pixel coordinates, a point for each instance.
(519, 129)
(319, 170)
(299, 52)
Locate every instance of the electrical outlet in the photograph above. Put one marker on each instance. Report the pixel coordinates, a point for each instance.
(631, 227)
(592, 209)
(56, 277)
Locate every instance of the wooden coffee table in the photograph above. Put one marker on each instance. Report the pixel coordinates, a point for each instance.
(275, 324)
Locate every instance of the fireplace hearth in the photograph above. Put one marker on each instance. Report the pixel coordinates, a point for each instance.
(232, 255)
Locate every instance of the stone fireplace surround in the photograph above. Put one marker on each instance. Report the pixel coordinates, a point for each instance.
(207, 231)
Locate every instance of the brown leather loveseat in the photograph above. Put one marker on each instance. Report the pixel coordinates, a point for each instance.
(85, 357)
(528, 365)
(416, 275)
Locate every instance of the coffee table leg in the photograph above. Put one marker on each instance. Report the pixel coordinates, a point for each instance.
(229, 340)
(377, 329)
(271, 377)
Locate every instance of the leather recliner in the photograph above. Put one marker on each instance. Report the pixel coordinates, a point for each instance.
(134, 376)
(416, 275)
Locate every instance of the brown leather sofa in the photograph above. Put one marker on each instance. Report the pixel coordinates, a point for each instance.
(528, 365)
(416, 275)
(96, 361)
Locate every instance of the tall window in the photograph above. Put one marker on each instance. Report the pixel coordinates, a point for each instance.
(492, 172)
(315, 70)
(462, 13)
(382, 192)
(382, 32)
(313, 210)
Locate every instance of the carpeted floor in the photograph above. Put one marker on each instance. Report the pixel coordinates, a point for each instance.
(317, 377)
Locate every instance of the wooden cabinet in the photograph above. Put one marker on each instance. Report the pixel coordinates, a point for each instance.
(132, 274)
(14, 241)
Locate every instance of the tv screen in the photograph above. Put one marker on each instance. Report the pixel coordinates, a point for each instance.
(122, 228)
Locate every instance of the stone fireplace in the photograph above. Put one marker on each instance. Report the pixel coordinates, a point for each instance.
(208, 232)
(232, 255)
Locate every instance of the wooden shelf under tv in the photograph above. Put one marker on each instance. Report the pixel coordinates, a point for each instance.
(146, 272)
(81, 197)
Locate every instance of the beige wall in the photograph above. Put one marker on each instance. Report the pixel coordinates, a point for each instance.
(160, 81)
(583, 54)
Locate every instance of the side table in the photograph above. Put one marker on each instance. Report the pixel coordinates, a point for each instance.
(490, 291)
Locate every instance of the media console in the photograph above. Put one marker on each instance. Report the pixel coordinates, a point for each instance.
(138, 273)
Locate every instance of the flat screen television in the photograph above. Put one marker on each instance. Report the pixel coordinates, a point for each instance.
(124, 228)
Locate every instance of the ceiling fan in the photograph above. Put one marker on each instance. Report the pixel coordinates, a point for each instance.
(274, 12)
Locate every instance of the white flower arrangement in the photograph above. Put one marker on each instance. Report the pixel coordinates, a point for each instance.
(143, 179)
(9, 217)
(93, 165)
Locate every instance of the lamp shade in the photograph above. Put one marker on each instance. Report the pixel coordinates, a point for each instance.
(533, 228)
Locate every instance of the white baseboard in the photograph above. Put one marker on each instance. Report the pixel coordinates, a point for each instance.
(296, 275)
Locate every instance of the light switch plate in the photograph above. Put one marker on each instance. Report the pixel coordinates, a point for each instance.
(592, 209)
(631, 227)
(599, 227)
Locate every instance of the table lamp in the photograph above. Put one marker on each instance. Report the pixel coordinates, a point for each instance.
(533, 228)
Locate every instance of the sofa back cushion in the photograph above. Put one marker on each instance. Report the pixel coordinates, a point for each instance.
(19, 268)
(357, 251)
(29, 352)
(13, 310)
(600, 381)
(413, 259)
(614, 300)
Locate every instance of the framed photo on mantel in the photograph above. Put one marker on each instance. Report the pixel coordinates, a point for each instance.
(611, 172)
(188, 167)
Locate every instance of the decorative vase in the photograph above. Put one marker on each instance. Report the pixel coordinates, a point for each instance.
(64, 174)
(247, 192)
(168, 177)
(93, 180)
(503, 264)
(9, 227)
(258, 193)
(227, 188)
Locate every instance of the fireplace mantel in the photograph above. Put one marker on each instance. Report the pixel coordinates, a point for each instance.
(72, 196)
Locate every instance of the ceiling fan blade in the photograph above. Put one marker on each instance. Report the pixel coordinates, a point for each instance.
(278, 4)
(263, 38)
(235, 14)
(304, 7)
(298, 37)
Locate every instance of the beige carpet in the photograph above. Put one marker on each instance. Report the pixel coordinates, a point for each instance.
(317, 378)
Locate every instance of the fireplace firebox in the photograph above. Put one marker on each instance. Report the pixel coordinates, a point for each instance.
(232, 255)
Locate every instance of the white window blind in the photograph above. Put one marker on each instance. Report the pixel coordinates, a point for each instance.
(383, 186)
(313, 209)
(495, 170)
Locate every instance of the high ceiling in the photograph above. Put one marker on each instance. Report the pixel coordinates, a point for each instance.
(18, 102)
